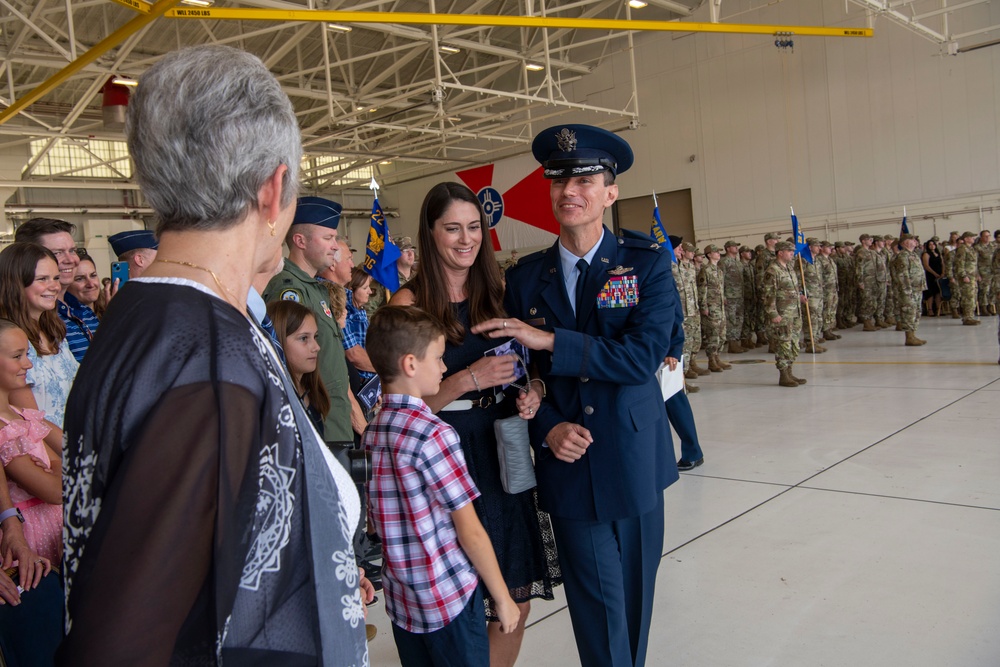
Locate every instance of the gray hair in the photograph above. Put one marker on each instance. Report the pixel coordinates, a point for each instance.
(206, 127)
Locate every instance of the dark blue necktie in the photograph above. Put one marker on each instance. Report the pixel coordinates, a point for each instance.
(581, 280)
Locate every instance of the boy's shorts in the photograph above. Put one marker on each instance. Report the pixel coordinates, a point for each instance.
(460, 643)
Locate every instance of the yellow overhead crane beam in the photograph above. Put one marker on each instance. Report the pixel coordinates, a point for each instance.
(414, 18)
(111, 41)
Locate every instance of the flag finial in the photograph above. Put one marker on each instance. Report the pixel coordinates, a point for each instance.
(373, 185)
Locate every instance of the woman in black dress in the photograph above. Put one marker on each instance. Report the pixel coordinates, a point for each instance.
(933, 269)
(460, 284)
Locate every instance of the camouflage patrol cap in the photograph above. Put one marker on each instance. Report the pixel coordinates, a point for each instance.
(687, 246)
(759, 247)
(952, 233)
(969, 235)
(791, 239)
(785, 245)
(744, 249)
(731, 244)
(826, 244)
(812, 240)
(936, 239)
(772, 235)
(838, 244)
(850, 244)
(888, 237)
(906, 237)
(711, 247)
(864, 236)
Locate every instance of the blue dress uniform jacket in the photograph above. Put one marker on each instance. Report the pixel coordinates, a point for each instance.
(601, 375)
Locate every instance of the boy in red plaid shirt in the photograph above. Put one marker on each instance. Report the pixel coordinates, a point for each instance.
(434, 546)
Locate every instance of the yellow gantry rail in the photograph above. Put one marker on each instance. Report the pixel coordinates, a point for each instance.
(413, 18)
(150, 12)
(111, 41)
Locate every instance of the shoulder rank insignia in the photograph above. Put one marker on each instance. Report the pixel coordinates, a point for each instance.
(620, 270)
(290, 295)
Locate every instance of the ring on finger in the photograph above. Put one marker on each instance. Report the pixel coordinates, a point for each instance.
(505, 324)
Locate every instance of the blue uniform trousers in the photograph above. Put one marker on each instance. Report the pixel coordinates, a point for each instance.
(682, 419)
(611, 605)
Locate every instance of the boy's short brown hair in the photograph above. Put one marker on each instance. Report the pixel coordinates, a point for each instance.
(396, 331)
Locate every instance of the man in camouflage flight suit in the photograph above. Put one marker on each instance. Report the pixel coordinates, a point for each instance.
(866, 277)
(732, 273)
(948, 272)
(830, 297)
(909, 282)
(891, 307)
(967, 277)
(781, 298)
(711, 299)
(750, 303)
(984, 251)
(813, 272)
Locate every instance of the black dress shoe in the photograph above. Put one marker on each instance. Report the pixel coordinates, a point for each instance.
(689, 465)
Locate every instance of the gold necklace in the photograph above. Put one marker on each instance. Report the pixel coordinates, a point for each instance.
(215, 277)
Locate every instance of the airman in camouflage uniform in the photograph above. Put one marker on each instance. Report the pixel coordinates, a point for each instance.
(881, 280)
(984, 250)
(750, 303)
(764, 257)
(909, 282)
(948, 272)
(732, 273)
(830, 297)
(781, 298)
(891, 307)
(813, 273)
(967, 277)
(866, 278)
(687, 290)
(711, 300)
(847, 290)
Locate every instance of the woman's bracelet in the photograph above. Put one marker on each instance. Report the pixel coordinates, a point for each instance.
(539, 381)
(469, 368)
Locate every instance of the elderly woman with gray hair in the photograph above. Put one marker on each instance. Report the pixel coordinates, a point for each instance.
(204, 519)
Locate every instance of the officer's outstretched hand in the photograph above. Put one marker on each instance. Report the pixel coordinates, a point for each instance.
(569, 442)
(529, 336)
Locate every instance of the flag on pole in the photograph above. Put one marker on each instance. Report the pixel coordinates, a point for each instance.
(658, 232)
(381, 253)
(801, 247)
(904, 229)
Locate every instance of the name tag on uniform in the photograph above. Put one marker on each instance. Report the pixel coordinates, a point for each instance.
(619, 292)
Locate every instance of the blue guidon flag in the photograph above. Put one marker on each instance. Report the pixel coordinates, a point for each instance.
(659, 233)
(381, 253)
(801, 247)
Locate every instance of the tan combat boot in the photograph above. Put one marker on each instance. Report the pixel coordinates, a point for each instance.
(797, 379)
(735, 347)
(696, 368)
(890, 320)
(870, 326)
(786, 379)
(747, 344)
(970, 322)
(691, 374)
(691, 389)
(829, 335)
(761, 339)
(722, 364)
(881, 324)
(955, 315)
(899, 326)
(713, 363)
(813, 348)
(912, 340)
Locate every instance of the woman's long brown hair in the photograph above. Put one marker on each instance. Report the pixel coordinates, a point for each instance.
(18, 264)
(484, 287)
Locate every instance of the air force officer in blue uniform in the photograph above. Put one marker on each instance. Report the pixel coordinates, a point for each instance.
(599, 310)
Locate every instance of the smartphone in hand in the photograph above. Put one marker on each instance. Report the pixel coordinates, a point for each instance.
(119, 272)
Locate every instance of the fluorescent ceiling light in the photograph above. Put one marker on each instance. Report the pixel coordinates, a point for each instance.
(337, 26)
(124, 81)
(534, 67)
(386, 162)
(198, 3)
(637, 4)
(448, 49)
